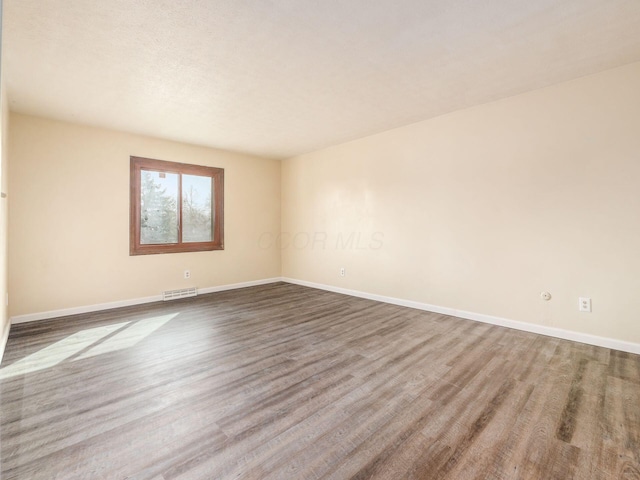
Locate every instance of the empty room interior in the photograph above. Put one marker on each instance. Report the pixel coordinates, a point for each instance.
(291, 239)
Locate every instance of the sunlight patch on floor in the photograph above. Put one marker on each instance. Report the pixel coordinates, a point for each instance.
(129, 334)
(59, 351)
(128, 337)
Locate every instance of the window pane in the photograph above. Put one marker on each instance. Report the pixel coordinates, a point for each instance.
(196, 209)
(158, 207)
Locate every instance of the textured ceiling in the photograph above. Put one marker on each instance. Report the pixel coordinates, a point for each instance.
(282, 77)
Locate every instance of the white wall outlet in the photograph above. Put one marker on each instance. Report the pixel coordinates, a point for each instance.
(584, 304)
(546, 296)
(187, 274)
(342, 272)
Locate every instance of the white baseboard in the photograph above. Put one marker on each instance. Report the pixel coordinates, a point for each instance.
(4, 336)
(233, 286)
(32, 317)
(479, 317)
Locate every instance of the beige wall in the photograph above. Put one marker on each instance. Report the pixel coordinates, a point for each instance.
(4, 211)
(482, 209)
(69, 218)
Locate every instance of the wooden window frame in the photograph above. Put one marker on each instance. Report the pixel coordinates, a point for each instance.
(217, 175)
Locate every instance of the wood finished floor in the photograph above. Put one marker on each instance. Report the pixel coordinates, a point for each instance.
(287, 382)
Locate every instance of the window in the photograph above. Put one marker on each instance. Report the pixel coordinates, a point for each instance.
(175, 207)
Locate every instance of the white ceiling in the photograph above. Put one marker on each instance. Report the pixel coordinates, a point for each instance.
(278, 78)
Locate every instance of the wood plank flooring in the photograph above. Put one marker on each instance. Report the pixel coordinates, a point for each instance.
(287, 382)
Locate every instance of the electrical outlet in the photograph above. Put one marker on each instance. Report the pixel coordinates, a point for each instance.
(584, 304)
(187, 274)
(342, 272)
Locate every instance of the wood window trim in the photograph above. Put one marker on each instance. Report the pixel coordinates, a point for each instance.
(137, 164)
